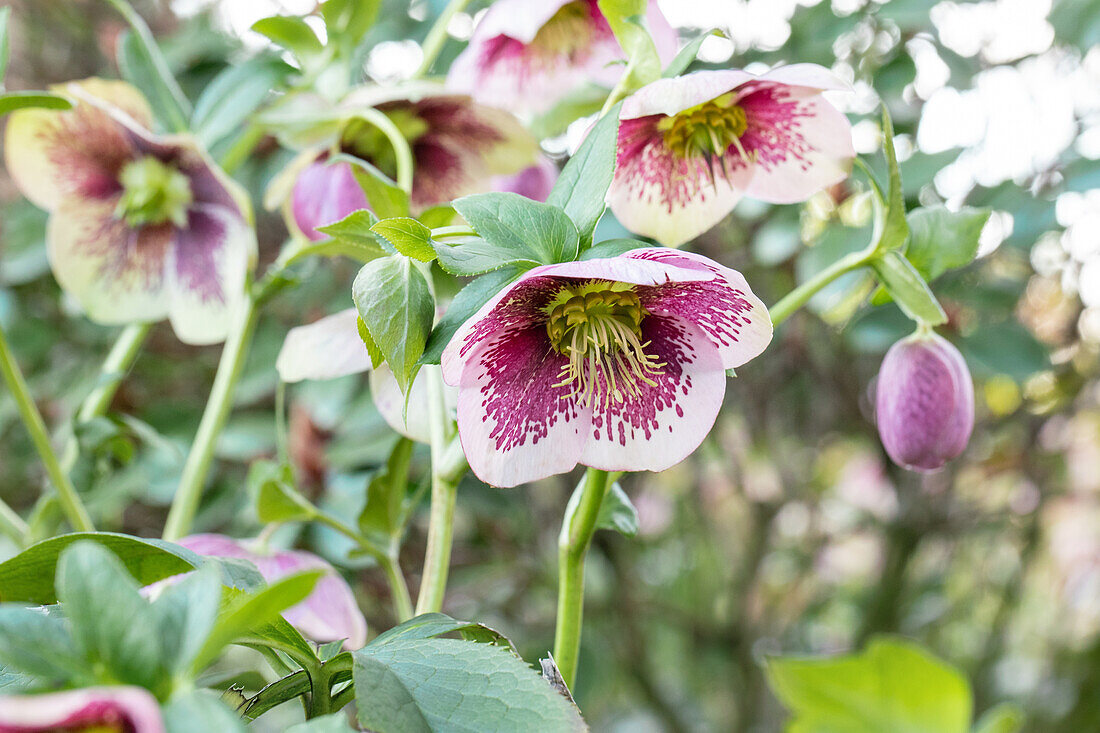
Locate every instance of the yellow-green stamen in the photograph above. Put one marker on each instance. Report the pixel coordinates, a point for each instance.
(598, 328)
(153, 192)
(707, 130)
(568, 31)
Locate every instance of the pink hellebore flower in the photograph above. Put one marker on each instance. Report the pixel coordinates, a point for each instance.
(691, 146)
(535, 182)
(618, 364)
(527, 55)
(924, 403)
(142, 226)
(329, 613)
(121, 709)
(330, 347)
(458, 147)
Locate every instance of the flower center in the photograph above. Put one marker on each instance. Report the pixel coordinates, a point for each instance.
(568, 31)
(363, 140)
(707, 130)
(598, 328)
(153, 192)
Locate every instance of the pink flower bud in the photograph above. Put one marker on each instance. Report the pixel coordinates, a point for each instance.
(925, 402)
(325, 193)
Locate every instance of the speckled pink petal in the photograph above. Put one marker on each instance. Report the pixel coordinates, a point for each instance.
(670, 96)
(131, 709)
(666, 421)
(725, 308)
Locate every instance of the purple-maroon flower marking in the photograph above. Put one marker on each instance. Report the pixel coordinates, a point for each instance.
(142, 226)
(121, 709)
(615, 363)
(527, 55)
(924, 403)
(534, 182)
(690, 147)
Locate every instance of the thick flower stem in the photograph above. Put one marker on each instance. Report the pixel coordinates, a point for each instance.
(12, 525)
(437, 36)
(437, 560)
(118, 362)
(71, 504)
(401, 150)
(402, 601)
(573, 542)
(186, 502)
(798, 297)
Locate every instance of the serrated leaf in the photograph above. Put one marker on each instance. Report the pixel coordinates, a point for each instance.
(908, 289)
(432, 625)
(893, 685)
(941, 240)
(408, 236)
(290, 32)
(354, 228)
(427, 685)
(375, 353)
(11, 101)
(582, 185)
(385, 197)
(516, 229)
(468, 301)
(397, 308)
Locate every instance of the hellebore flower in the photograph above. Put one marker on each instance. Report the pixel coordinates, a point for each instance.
(129, 709)
(617, 363)
(527, 55)
(535, 182)
(457, 148)
(141, 226)
(690, 147)
(329, 613)
(331, 347)
(924, 403)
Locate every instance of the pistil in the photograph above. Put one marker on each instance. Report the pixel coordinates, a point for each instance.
(153, 192)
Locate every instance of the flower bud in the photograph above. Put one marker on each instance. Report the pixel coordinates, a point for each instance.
(925, 402)
(325, 193)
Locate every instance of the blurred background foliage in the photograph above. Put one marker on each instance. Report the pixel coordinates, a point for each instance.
(788, 530)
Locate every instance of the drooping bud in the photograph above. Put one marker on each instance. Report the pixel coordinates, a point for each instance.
(924, 402)
(324, 193)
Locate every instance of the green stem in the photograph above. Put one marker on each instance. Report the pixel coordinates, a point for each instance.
(12, 525)
(36, 426)
(437, 559)
(573, 543)
(437, 36)
(115, 366)
(195, 469)
(401, 149)
(320, 698)
(798, 297)
(455, 231)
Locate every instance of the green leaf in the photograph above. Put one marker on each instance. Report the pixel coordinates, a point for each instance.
(29, 576)
(396, 305)
(245, 615)
(5, 48)
(891, 228)
(466, 257)
(375, 353)
(425, 685)
(893, 685)
(200, 711)
(408, 236)
(520, 229)
(276, 500)
(627, 19)
(40, 645)
(11, 101)
(385, 197)
(186, 612)
(686, 55)
(233, 95)
(612, 248)
(290, 32)
(617, 512)
(941, 240)
(1003, 718)
(355, 230)
(908, 289)
(113, 627)
(582, 185)
(142, 64)
(346, 21)
(468, 301)
(383, 515)
(432, 625)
